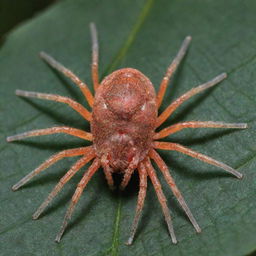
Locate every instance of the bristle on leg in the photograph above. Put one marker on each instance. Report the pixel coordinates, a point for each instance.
(192, 153)
(80, 187)
(140, 203)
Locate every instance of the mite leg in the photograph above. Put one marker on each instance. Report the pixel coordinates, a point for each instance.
(192, 153)
(73, 170)
(127, 177)
(197, 124)
(173, 106)
(128, 172)
(55, 64)
(63, 129)
(161, 198)
(45, 96)
(108, 174)
(80, 187)
(140, 203)
(95, 56)
(164, 169)
(53, 159)
(107, 171)
(171, 69)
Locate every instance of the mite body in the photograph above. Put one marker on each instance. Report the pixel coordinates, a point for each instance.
(124, 119)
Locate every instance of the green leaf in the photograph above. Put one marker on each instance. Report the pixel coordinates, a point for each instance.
(145, 35)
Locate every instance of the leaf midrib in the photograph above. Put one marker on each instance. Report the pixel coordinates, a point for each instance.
(112, 66)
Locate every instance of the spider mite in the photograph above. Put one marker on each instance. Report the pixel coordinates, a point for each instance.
(124, 119)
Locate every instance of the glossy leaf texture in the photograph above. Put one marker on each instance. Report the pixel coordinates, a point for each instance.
(145, 35)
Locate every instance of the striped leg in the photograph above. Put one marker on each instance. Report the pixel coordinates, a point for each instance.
(62, 129)
(55, 64)
(107, 171)
(197, 124)
(53, 97)
(95, 56)
(173, 106)
(80, 187)
(164, 169)
(192, 153)
(53, 159)
(73, 170)
(171, 69)
(161, 198)
(127, 177)
(140, 203)
(128, 172)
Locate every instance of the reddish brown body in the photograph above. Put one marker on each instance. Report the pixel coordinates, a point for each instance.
(124, 118)
(123, 122)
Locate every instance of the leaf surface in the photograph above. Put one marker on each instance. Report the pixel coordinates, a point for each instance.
(145, 35)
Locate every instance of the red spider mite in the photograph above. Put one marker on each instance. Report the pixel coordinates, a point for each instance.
(124, 119)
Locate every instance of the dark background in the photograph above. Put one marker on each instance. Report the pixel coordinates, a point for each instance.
(13, 12)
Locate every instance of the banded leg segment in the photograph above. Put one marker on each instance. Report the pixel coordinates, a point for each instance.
(161, 198)
(53, 159)
(173, 106)
(53, 97)
(68, 73)
(62, 129)
(192, 153)
(95, 56)
(197, 124)
(140, 203)
(73, 170)
(171, 69)
(80, 187)
(164, 169)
